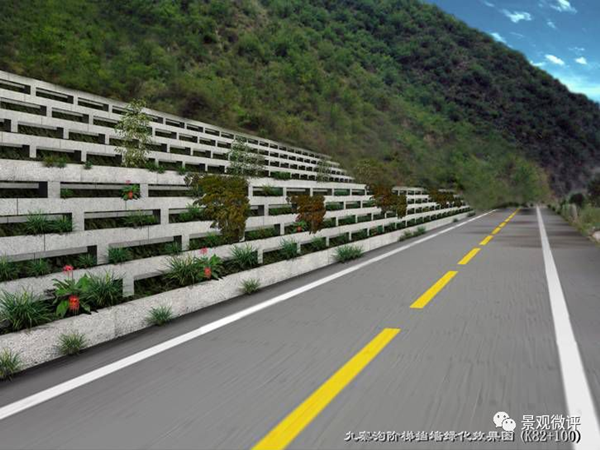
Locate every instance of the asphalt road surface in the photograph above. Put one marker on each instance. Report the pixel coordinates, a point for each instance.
(425, 343)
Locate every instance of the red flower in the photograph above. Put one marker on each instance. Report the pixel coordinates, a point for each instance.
(204, 250)
(68, 269)
(207, 272)
(299, 229)
(130, 195)
(73, 303)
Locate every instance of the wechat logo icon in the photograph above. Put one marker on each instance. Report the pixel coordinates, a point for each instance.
(502, 420)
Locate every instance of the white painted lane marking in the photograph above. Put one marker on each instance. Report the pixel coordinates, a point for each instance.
(577, 390)
(69, 385)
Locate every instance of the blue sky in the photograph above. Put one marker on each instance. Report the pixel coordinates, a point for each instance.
(561, 37)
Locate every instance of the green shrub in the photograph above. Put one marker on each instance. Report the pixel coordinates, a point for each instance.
(250, 286)
(420, 231)
(38, 268)
(271, 191)
(71, 343)
(347, 253)
(318, 243)
(593, 189)
(589, 219)
(55, 161)
(212, 267)
(25, 310)
(334, 206)
(348, 220)
(214, 240)
(577, 199)
(10, 363)
(280, 210)
(160, 315)
(183, 270)
(405, 236)
(192, 213)
(362, 234)
(87, 165)
(119, 255)
(37, 223)
(173, 248)
(263, 233)
(139, 219)
(85, 261)
(188, 269)
(66, 193)
(281, 175)
(103, 290)
(244, 257)
(181, 170)
(62, 225)
(289, 248)
(8, 269)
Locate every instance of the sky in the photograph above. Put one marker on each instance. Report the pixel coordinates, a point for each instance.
(561, 37)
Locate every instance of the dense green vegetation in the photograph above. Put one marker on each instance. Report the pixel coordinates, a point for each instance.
(397, 80)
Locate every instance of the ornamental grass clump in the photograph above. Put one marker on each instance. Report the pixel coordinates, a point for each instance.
(160, 315)
(71, 343)
(119, 255)
(244, 257)
(38, 268)
(187, 270)
(347, 253)
(10, 363)
(250, 286)
(23, 311)
(289, 249)
(8, 269)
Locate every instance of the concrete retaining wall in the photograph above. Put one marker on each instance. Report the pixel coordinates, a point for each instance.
(39, 344)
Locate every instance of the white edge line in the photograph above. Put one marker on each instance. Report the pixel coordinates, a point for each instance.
(74, 383)
(577, 391)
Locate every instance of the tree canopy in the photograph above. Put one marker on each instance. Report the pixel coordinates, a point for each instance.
(395, 80)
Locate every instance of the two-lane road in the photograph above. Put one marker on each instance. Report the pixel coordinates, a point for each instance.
(439, 336)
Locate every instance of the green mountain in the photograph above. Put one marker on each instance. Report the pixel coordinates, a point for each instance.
(396, 80)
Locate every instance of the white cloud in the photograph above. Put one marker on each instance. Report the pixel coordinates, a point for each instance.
(539, 64)
(551, 24)
(582, 86)
(517, 16)
(519, 35)
(577, 50)
(555, 60)
(563, 6)
(490, 4)
(498, 37)
(581, 61)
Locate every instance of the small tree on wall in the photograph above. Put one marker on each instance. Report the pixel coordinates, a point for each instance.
(225, 201)
(243, 162)
(311, 210)
(134, 130)
(380, 182)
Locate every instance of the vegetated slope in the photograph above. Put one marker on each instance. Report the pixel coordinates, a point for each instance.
(396, 80)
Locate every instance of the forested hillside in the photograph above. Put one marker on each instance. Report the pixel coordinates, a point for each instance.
(395, 80)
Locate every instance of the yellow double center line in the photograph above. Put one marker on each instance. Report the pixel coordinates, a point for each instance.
(290, 427)
(424, 299)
